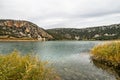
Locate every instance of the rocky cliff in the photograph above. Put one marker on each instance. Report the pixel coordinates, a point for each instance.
(19, 29)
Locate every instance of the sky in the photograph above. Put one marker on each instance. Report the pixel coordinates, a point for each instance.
(62, 13)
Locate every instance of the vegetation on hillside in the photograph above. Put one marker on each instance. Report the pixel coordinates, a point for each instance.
(14, 66)
(107, 53)
(110, 32)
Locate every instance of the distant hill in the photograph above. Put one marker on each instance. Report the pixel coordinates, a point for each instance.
(110, 32)
(19, 29)
(25, 30)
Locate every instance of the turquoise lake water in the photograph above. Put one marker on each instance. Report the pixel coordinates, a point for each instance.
(71, 59)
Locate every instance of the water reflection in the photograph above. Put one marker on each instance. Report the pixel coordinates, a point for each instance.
(110, 70)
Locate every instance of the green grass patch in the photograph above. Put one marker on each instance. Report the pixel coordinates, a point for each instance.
(108, 52)
(14, 66)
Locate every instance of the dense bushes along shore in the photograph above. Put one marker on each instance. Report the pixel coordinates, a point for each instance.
(107, 53)
(14, 66)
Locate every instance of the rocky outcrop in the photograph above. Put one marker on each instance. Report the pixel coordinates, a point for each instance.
(20, 29)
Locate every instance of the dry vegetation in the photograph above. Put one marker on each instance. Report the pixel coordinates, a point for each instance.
(14, 66)
(108, 52)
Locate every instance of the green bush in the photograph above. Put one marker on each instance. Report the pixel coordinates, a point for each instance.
(14, 66)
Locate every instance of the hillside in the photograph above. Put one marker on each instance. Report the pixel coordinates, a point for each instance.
(19, 29)
(110, 32)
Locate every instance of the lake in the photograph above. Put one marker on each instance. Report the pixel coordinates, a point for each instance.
(71, 59)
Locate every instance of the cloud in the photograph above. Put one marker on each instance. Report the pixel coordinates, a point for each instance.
(62, 13)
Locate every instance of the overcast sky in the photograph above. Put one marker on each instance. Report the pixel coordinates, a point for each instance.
(62, 13)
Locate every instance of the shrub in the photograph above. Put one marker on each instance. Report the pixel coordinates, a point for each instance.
(14, 66)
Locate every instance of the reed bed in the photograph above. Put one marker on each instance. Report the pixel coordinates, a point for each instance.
(14, 66)
(108, 52)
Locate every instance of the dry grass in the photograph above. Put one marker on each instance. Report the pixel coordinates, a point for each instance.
(13, 66)
(109, 51)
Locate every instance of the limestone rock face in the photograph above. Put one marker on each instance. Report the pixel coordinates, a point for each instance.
(22, 29)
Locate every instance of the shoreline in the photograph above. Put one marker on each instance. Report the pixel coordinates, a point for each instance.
(107, 67)
(106, 62)
(19, 40)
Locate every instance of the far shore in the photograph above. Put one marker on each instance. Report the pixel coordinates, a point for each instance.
(36, 40)
(19, 40)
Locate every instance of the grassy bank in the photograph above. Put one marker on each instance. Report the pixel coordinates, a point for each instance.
(107, 53)
(13, 66)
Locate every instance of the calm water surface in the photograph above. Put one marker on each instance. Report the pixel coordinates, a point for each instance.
(71, 59)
